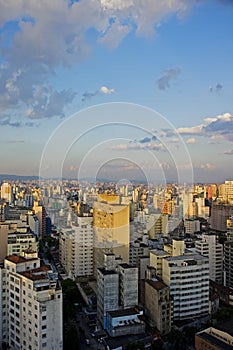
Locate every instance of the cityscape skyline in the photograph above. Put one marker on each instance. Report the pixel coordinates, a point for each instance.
(61, 94)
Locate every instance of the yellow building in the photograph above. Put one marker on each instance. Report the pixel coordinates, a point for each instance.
(111, 231)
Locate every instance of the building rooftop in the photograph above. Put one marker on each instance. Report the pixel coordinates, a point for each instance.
(156, 284)
(215, 341)
(125, 312)
(107, 272)
(186, 258)
(127, 266)
(159, 252)
(34, 277)
(18, 259)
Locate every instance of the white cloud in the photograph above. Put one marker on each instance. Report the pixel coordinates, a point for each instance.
(207, 166)
(217, 128)
(192, 140)
(135, 146)
(102, 90)
(193, 130)
(229, 152)
(49, 35)
(106, 90)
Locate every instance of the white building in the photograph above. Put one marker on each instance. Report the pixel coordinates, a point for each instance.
(188, 279)
(30, 304)
(210, 248)
(76, 248)
(107, 293)
(19, 242)
(128, 283)
(191, 226)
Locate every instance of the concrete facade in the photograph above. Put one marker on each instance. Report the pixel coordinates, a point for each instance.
(31, 304)
(210, 248)
(188, 279)
(158, 305)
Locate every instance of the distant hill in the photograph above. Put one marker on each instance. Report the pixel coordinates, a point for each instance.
(12, 177)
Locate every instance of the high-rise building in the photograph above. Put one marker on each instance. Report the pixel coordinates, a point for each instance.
(210, 248)
(228, 263)
(191, 226)
(107, 293)
(188, 279)
(158, 305)
(111, 231)
(4, 229)
(226, 191)
(7, 192)
(31, 304)
(18, 242)
(137, 249)
(128, 285)
(76, 248)
(40, 212)
(220, 212)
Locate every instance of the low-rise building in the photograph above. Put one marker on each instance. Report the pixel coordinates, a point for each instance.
(215, 338)
(125, 322)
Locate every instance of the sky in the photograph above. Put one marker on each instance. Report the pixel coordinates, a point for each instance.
(117, 89)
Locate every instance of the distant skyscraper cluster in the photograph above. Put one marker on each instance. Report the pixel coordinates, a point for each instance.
(150, 255)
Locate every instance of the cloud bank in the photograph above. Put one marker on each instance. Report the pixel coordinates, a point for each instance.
(40, 37)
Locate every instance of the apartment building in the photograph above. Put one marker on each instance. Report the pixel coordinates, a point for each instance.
(228, 263)
(128, 285)
(107, 293)
(210, 248)
(30, 304)
(111, 232)
(158, 305)
(19, 242)
(188, 279)
(76, 248)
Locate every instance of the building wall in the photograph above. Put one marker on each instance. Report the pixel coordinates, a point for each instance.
(111, 232)
(128, 291)
(32, 314)
(228, 263)
(220, 212)
(3, 241)
(158, 306)
(224, 339)
(188, 279)
(107, 294)
(210, 248)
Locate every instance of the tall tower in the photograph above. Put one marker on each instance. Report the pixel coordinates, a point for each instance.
(32, 316)
(6, 192)
(188, 279)
(210, 248)
(40, 212)
(228, 262)
(107, 293)
(111, 232)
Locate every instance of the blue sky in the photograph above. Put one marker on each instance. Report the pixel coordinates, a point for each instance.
(64, 69)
